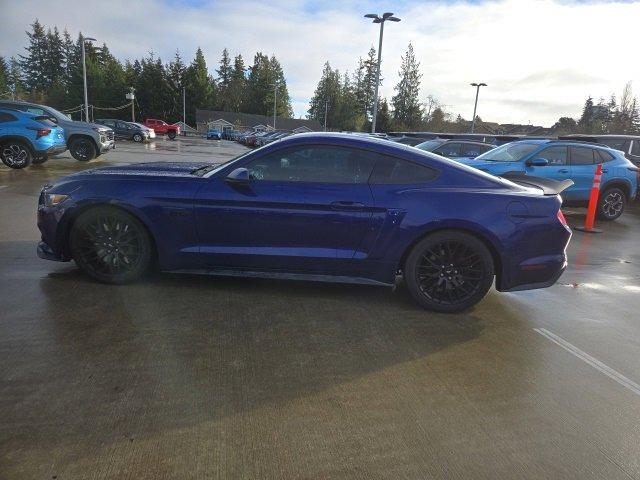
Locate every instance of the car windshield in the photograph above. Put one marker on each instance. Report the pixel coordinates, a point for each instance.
(213, 168)
(429, 145)
(58, 114)
(510, 152)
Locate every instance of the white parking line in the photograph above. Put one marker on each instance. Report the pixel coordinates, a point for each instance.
(3, 186)
(595, 363)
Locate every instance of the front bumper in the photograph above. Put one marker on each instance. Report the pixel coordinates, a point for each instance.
(106, 146)
(46, 252)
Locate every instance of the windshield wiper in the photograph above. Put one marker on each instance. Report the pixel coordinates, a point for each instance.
(203, 170)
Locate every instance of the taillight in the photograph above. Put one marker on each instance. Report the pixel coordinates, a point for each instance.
(562, 220)
(41, 132)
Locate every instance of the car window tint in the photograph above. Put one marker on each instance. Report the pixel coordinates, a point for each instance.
(108, 123)
(37, 111)
(582, 156)
(6, 117)
(616, 143)
(318, 163)
(635, 148)
(391, 170)
(555, 155)
(448, 150)
(471, 150)
(603, 156)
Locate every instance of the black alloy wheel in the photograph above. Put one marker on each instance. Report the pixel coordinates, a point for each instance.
(171, 135)
(15, 154)
(449, 271)
(82, 149)
(137, 138)
(110, 245)
(611, 204)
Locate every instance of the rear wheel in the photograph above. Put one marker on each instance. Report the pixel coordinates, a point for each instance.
(82, 149)
(110, 245)
(611, 204)
(15, 154)
(449, 271)
(171, 135)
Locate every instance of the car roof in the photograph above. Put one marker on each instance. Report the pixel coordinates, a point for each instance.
(19, 112)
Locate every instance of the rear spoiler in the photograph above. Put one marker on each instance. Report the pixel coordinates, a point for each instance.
(548, 186)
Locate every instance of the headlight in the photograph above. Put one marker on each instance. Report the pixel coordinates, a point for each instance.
(54, 199)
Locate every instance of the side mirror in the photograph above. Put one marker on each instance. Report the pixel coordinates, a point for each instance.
(239, 176)
(538, 162)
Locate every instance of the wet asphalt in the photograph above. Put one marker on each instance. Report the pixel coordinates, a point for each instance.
(192, 377)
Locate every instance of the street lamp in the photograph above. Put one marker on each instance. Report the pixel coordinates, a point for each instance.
(379, 19)
(475, 107)
(84, 76)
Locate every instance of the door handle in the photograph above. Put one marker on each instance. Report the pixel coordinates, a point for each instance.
(563, 170)
(344, 205)
(605, 170)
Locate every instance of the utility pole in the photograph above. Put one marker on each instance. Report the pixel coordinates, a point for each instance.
(326, 109)
(379, 19)
(131, 96)
(475, 106)
(275, 101)
(184, 107)
(84, 76)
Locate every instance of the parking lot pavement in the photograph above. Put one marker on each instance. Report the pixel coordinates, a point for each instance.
(198, 377)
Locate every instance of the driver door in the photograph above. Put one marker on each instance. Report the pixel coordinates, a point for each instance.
(305, 208)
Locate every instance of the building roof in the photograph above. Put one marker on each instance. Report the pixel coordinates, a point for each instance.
(251, 120)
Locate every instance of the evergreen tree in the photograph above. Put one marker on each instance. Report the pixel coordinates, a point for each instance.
(407, 110)
(54, 68)
(225, 74)
(384, 121)
(199, 87)
(585, 124)
(260, 85)
(283, 101)
(4, 78)
(328, 97)
(34, 64)
(237, 85)
(176, 72)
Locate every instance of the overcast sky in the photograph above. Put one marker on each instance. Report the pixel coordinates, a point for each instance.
(540, 58)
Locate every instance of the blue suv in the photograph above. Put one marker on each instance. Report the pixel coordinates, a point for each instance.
(561, 160)
(213, 133)
(26, 138)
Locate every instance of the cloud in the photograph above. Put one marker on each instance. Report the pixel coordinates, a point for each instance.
(540, 58)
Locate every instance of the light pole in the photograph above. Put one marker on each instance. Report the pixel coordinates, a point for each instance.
(326, 110)
(275, 102)
(475, 106)
(84, 76)
(379, 19)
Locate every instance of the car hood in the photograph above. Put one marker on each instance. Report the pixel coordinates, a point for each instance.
(154, 169)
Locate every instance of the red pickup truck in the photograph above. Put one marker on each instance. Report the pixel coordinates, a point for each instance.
(163, 128)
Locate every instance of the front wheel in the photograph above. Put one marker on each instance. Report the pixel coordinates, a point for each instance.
(82, 149)
(110, 245)
(611, 204)
(449, 271)
(137, 138)
(171, 135)
(16, 154)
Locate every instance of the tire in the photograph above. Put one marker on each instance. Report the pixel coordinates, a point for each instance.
(16, 154)
(39, 160)
(110, 245)
(449, 271)
(137, 138)
(171, 135)
(83, 149)
(611, 204)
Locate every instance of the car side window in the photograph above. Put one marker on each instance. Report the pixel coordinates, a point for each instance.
(6, 117)
(449, 150)
(635, 148)
(316, 163)
(582, 156)
(555, 155)
(120, 124)
(37, 111)
(602, 156)
(394, 171)
(108, 123)
(471, 150)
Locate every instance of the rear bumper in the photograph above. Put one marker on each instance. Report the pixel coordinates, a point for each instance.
(538, 275)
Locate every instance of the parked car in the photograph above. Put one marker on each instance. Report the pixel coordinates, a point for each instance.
(566, 159)
(85, 140)
(455, 149)
(214, 134)
(125, 130)
(628, 144)
(330, 207)
(151, 133)
(26, 138)
(162, 128)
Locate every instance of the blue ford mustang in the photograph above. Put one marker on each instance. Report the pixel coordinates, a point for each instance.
(326, 207)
